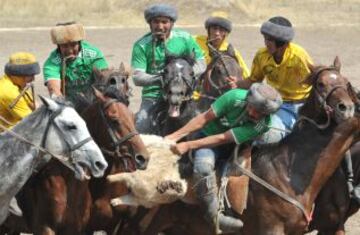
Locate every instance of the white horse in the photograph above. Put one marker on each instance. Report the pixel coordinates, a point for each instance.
(54, 130)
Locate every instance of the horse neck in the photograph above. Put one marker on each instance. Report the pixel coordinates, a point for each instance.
(331, 156)
(32, 127)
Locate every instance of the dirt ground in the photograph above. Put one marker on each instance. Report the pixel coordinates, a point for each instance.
(323, 44)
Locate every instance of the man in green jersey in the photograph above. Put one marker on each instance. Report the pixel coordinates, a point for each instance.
(148, 58)
(68, 69)
(238, 116)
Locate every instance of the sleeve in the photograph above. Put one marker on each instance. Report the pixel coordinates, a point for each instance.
(100, 61)
(256, 74)
(138, 58)
(20, 110)
(247, 132)
(141, 78)
(51, 70)
(243, 66)
(223, 104)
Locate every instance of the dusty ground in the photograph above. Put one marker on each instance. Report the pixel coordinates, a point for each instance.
(323, 44)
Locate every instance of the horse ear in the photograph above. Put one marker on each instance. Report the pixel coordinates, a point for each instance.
(49, 103)
(231, 51)
(98, 94)
(337, 63)
(125, 69)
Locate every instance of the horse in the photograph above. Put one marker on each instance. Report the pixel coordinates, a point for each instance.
(54, 132)
(293, 170)
(177, 106)
(109, 81)
(70, 206)
(214, 80)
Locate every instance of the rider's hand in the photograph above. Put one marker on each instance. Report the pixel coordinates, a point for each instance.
(180, 148)
(232, 81)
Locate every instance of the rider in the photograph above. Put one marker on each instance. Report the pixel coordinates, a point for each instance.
(218, 28)
(16, 99)
(148, 58)
(285, 66)
(238, 116)
(68, 69)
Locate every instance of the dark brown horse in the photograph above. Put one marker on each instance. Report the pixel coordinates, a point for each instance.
(298, 166)
(214, 80)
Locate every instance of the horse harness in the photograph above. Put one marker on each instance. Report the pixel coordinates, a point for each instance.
(323, 99)
(116, 141)
(68, 162)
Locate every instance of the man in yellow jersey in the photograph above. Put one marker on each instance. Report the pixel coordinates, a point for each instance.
(285, 66)
(16, 100)
(218, 28)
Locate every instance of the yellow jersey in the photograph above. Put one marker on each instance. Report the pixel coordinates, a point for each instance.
(8, 93)
(202, 41)
(287, 77)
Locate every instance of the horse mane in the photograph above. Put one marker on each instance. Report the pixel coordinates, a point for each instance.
(188, 58)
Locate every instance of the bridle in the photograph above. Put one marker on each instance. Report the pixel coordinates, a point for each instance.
(324, 98)
(69, 161)
(116, 142)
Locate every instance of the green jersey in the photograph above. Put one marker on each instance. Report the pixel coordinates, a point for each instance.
(230, 110)
(78, 72)
(150, 57)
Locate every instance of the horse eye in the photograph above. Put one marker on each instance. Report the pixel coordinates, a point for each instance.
(112, 81)
(71, 127)
(320, 85)
(123, 80)
(182, 93)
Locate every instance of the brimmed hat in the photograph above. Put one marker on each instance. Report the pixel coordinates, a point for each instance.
(22, 64)
(279, 28)
(264, 98)
(219, 18)
(160, 10)
(67, 32)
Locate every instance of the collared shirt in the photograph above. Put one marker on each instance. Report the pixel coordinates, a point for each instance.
(202, 41)
(287, 77)
(150, 58)
(231, 114)
(78, 72)
(8, 93)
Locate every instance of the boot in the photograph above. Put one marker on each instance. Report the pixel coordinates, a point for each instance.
(206, 190)
(349, 172)
(354, 192)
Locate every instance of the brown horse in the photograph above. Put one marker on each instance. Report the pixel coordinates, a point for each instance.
(214, 80)
(298, 166)
(53, 202)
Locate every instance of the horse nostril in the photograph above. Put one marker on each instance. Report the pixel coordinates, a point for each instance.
(101, 166)
(341, 107)
(141, 162)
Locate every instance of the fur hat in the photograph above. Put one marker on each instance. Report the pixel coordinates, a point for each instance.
(264, 98)
(67, 32)
(22, 64)
(219, 18)
(279, 28)
(160, 10)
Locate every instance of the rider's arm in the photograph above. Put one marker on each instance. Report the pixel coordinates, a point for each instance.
(54, 87)
(244, 84)
(194, 124)
(141, 78)
(206, 142)
(199, 67)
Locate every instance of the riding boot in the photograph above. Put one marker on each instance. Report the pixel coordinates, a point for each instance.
(206, 190)
(349, 172)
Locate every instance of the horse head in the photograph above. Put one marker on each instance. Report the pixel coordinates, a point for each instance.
(333, 97)
(178, 82)
(116, 132)
(66, 134)
(222, 65)
(113, 82)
